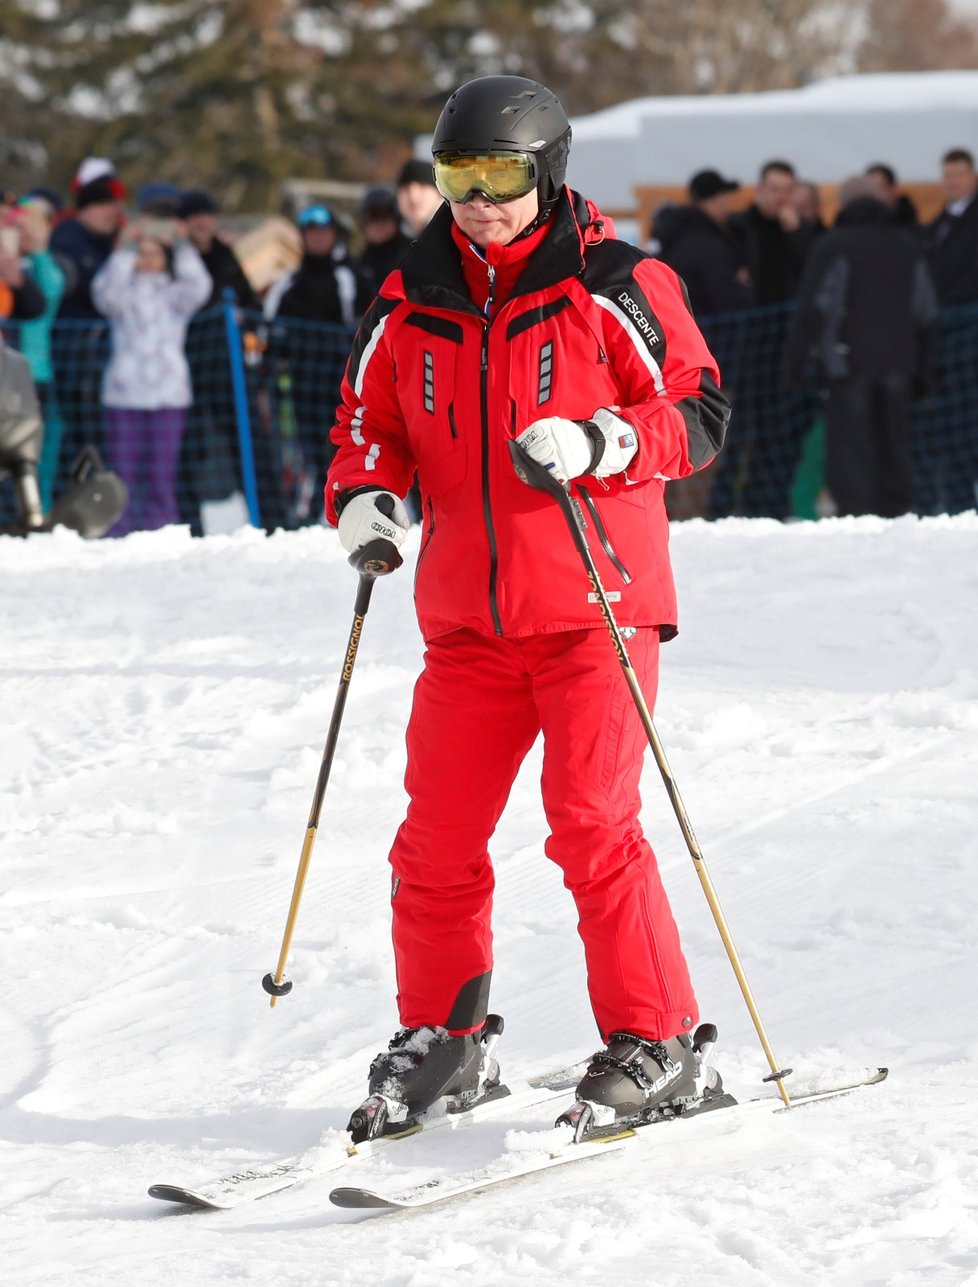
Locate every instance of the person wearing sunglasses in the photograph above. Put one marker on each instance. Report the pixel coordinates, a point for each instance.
(518, 314)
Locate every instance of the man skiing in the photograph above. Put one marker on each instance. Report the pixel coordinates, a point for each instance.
(518, 315)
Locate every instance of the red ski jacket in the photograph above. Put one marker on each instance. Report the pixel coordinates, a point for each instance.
(433, 385)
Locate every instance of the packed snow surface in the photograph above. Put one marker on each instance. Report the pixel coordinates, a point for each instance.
(165, 703)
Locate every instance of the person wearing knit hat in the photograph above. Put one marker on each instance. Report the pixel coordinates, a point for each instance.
(86, 238)
(198, 211)
(386, 245)
(159, 199)
(82, 243)
(417, 196)
(196, 201)
(97, 184)
(92, 168)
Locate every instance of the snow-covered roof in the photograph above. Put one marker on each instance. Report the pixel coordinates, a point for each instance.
(828, 130)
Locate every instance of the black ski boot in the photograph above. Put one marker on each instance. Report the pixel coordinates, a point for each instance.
(421, 1066)
(635, 1080)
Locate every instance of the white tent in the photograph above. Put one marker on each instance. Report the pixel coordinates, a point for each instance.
(828, 130)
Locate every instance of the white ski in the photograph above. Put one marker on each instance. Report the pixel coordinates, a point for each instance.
(561, 1152)
(259, 1181)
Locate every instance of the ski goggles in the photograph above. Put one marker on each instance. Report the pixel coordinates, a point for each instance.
(498, 176)
(318, 216)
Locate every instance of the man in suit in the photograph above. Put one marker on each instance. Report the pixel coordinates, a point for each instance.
(952, 239)
(946, 465)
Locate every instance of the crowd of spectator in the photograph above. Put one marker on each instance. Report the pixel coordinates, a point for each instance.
(826, 335)
(851, 353)
(117, 311)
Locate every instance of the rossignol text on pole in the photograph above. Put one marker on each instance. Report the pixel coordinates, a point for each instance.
(373, 560)
(536, 475)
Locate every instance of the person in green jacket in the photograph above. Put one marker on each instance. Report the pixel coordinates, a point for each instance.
(35, 219)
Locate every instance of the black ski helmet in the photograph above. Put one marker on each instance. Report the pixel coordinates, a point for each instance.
(509, 114)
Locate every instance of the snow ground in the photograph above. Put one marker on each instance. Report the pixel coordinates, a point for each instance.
(164, 707)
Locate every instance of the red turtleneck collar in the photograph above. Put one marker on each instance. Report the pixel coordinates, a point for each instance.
(507, 261)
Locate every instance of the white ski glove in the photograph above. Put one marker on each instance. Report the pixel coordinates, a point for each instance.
(363, 520)
(601, 446)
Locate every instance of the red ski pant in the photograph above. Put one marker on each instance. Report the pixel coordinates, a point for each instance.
(478, 707)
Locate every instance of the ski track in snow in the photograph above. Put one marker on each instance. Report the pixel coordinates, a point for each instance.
(165, 703)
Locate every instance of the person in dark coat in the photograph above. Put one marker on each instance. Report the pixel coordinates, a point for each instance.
(695, 242)
(387, 243)
(702, 250)
(808, 206)
(199, 210)
(210, 465)
(417, 196)
(774, 239)
(313, 309)
(325, 287)
(868, 313)
(901, 209)
(753, 476)
(87, 237)
(947, 466)
(80, 335)
(952, 239)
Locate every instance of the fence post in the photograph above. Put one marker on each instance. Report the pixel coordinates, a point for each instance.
(242, 416)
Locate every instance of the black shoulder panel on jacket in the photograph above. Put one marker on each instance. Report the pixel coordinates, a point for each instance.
(369, 332)
(610, 262)
(534, 316)
(706, 420)
(440, 326)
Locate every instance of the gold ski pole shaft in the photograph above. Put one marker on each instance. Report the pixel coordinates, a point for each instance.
(375, 559)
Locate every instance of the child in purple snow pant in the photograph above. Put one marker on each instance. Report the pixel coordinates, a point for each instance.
(143, 448)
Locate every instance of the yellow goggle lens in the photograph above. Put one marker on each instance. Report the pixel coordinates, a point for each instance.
(499, 176)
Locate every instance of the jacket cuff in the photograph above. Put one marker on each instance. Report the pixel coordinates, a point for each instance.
(342, 499)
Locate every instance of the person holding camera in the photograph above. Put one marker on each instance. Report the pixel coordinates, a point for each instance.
(20, 297)
(149, 288)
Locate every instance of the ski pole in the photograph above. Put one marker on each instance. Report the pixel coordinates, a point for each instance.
(536, 475)
(375, 559)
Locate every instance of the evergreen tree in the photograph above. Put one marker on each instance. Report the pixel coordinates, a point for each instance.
(238, 95)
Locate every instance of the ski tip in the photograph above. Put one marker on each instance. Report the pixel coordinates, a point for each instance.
(360, 1199)
(184, 1197)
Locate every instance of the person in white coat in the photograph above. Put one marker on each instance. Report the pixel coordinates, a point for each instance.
(149, 290)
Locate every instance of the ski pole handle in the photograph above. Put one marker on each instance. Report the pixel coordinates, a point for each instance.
(534, 474)
(376, 558)
(379, 557)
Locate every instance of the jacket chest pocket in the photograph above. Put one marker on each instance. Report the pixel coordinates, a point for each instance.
(557, 365)
(433, 401)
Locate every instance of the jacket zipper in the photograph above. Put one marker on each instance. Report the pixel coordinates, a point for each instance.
(428, 534)
(486, 503)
